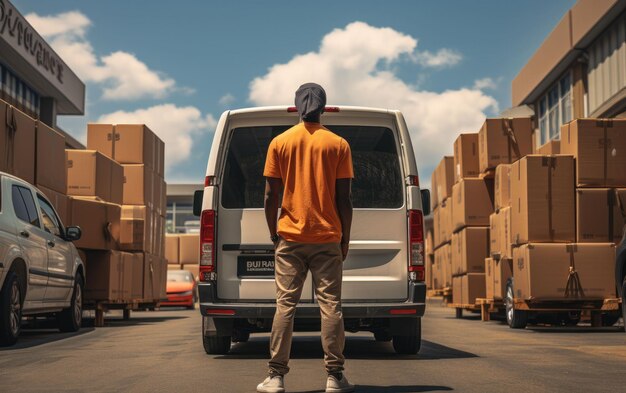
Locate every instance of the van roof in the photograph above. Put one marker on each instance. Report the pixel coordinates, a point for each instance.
(283, 109)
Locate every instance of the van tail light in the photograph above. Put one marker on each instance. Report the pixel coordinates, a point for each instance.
(413, 180)
(416, 245)
(207, 246)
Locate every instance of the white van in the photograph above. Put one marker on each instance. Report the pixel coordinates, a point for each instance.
(383, 278)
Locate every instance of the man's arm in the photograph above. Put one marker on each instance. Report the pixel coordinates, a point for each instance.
(273, 187)
(343, 198)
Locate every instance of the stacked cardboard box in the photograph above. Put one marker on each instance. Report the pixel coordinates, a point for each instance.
(503, 141)
(126, 170)
(550, 262)
(183, 252)
(442, 180)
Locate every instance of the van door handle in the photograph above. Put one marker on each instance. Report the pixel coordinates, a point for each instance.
(24, 233)
(51, 243)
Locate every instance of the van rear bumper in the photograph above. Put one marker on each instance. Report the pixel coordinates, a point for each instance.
(415, 306)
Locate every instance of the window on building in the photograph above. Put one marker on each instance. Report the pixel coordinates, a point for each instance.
(18, 93)
(179, 218)
(555, 109)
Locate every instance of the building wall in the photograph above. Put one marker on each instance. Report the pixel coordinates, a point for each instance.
(607, 70)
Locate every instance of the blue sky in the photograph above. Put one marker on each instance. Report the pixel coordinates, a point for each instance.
(179, 65)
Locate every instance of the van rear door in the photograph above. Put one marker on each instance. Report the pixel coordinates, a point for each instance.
(376, 267)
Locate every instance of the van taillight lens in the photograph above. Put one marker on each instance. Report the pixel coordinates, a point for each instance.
(416, 244)
(207, 246)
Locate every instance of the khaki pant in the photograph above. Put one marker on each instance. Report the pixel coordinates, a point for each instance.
(293, 261)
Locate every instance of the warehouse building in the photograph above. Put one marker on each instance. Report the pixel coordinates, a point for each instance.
(578, 71)
(179, 216)
(33, 78)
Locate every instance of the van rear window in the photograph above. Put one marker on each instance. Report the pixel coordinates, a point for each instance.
(377, 183)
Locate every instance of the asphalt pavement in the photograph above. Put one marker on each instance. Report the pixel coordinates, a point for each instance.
(162, 351)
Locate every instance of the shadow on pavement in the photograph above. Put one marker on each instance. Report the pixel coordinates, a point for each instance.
(34, 337)
(392, 389)
(356, 348)
(133, 321)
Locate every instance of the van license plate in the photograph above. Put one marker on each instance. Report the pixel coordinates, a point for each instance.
(255, 266)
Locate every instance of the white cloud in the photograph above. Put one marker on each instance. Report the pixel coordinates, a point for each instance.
(176, 126)
(121, 74)
(346, 65)
(227, 99)
(485, 83)
(442, 58)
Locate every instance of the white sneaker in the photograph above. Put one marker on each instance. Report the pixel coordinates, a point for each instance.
(334, 385)
(271, 385)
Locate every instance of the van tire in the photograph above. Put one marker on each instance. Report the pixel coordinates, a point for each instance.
(71, 318)
(382, 336)
(409, 344)
(216, 345)
(516, 319)
(10, 310)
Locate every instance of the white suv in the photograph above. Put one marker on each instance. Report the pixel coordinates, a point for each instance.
(40, 270)
(383, 279)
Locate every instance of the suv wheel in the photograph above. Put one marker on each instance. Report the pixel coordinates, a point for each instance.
(70, 319)
(517, 319)
(410, 344)
(10, 310)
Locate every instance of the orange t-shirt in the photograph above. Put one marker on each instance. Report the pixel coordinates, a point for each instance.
(309, 158)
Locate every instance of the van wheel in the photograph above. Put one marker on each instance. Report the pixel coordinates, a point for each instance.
(70, 319)
(216, 345)
(10, 310)
(410, 344)
(610, 319)
(517, 319)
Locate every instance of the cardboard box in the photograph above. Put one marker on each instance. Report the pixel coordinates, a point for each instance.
(437, 281)
(502, 186)
(543, 200)
(443, 223)
(50, 169)
(103, 270)
(17, 143)
(497, 274)
(160, 157)
(92, 174)
(189, 248)
(159, 194)
(135, 144)
(472, 203)
(99, 222)
(429, 270)
(550, 148)
(126, 279)
(137, 267)
(600, 215)
(472, 287)
(58, 200)
(174, 267)
(503, 141)
(101, 137)
(469, 249)
(500, 235)
(466, 156)
(444, 175)
(155, 277)
(457, 290)
(599, 146)
(159, 236)
(542, 271)
(136, 227)
(138, 188)
(429, 246)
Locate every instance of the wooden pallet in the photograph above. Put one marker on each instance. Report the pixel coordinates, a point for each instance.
(489, 306)
(592, 308)
(102, 307)
(441, 292)
(460, 307)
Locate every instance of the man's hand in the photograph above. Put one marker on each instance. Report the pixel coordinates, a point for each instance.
(344, 250)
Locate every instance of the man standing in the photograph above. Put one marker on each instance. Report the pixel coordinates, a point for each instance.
(312, 167)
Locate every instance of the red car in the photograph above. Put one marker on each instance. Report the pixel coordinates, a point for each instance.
(181, 289)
